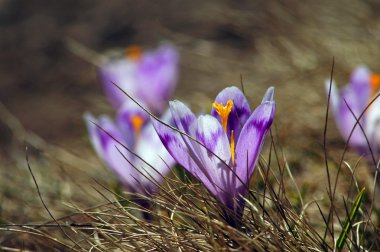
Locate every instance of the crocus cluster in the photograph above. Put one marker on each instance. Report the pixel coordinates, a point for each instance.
(221, 149)
(350, 102)
(149, 76)
(130, 147)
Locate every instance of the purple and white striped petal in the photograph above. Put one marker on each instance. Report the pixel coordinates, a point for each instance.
(240, 110)
(251, 139)
(187, 123)
(174, 143)
(100, 137)
(157, 74)
(121, 72)
(214, 156)
(108, 142)
(209, 131)
(153, 152)
(183, 118)
(268, 96)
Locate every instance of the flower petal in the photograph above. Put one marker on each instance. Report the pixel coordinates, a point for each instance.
(214, 157)
(153, 152)
(157, 74)
(372, 128)
(334, 96)
(176, 146)
(349, 108)
(251, 140)
(94, 136)
(210, 132)
(121, 72)
(269, 95)
(360, 85)
(240, 110)
(108, 149)
(344, 119)
(98, 137)
(187, 123)
(183, 118)
(360, 76)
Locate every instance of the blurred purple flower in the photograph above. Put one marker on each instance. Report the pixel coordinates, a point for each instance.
(224, 147)
(148, 76)
(146, 161)
(347, 105)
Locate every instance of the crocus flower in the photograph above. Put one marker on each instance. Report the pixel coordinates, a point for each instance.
(148, 76)
(130, 147)
(221, 149)
(350, 102)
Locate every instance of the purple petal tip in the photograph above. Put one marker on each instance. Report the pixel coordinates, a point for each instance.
(269, 95)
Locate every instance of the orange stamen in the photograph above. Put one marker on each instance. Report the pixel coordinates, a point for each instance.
(232, 147)
(223, 112)
(137, 123)
(375, 83)
(133, 52)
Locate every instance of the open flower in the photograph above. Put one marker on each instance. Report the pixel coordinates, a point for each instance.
(148, 76)
(130, 147)
(221, 149)
(350, 102)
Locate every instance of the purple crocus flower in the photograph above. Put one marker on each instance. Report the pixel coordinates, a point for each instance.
(150, 76)
(146, 161)
(349, 103)
(221, 149)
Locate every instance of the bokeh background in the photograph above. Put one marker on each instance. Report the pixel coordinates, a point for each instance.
(45, 87)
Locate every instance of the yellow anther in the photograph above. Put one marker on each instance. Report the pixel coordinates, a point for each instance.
(223, 112)
(133, 52)
(232, 147)
(375, 83)
(137, 123)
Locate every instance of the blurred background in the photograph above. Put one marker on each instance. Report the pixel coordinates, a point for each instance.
(45, 87)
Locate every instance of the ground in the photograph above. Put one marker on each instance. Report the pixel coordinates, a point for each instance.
(46, 87)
